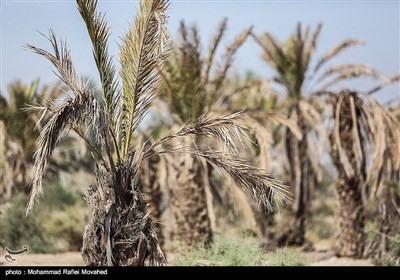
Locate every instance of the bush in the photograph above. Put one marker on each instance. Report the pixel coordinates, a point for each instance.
(224, 252)
(286, 257)
(17, 230)
(56, 224)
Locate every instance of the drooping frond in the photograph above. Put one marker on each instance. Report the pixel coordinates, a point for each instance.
(362, 124)
(336, 50)
(81, 109)
(264, 188)
(142, 55)
(98, 31)
(347, 72)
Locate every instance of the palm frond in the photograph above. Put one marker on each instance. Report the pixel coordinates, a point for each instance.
(265, 189)
(389, 81)
(348, 71)
(310, 49)
(81, 109)
(336, 50)
(228, 59)
(213, 47)
(142, 55)
(61, 59)
(224, 128)
(98, 31)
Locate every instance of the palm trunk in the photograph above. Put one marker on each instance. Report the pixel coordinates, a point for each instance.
(191, 222)
(153, 194)
(266, 223)
(119, 232)
(389, 220)
(302, 181)
(349, 234)
(349, 231)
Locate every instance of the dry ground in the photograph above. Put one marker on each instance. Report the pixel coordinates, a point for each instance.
(75, 259)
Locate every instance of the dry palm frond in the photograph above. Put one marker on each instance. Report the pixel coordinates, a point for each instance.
(264, 188)
(61, 59)
(385, 130)
(347, 72)
(98, 30)
(310, 49)
(228, 60)
(224, 128)
(142, 55)
(389, 81)
(277, 118)
(213, 47)
(72, 111)
(336, 50)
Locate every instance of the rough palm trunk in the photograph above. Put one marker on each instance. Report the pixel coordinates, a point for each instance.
(302, 181)
(389, 220)
(153, 194)
(120, 229)
(191, 223)
(349, 231)
(266, 223)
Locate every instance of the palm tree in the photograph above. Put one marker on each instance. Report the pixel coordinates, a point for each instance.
(120, 231)
(15, 119)
(192, 84)
(364, 131)
(300, 78)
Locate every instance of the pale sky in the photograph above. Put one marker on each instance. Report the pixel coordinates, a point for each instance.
(376, 22)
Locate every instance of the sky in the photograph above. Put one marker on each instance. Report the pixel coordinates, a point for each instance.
(376, 22)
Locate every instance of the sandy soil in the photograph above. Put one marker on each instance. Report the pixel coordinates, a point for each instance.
(64, 259)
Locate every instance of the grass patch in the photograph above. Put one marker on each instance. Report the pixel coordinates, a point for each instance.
(286, 257)
(224, 252)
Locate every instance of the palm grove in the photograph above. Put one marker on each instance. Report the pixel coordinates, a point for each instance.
(213, 123)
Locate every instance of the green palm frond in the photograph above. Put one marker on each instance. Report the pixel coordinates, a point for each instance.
(142, 55)
(293, 59)
(192, 82)
(98, 31)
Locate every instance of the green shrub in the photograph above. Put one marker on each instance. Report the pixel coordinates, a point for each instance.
(286, 257)
(56, 224)
(223, 252)
(17, 230)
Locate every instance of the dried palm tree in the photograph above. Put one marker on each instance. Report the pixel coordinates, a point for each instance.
(363, 147)
(16, 151)
(120, 231)
(299, 79)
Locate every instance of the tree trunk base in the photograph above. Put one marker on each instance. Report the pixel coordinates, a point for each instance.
(349, 233)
